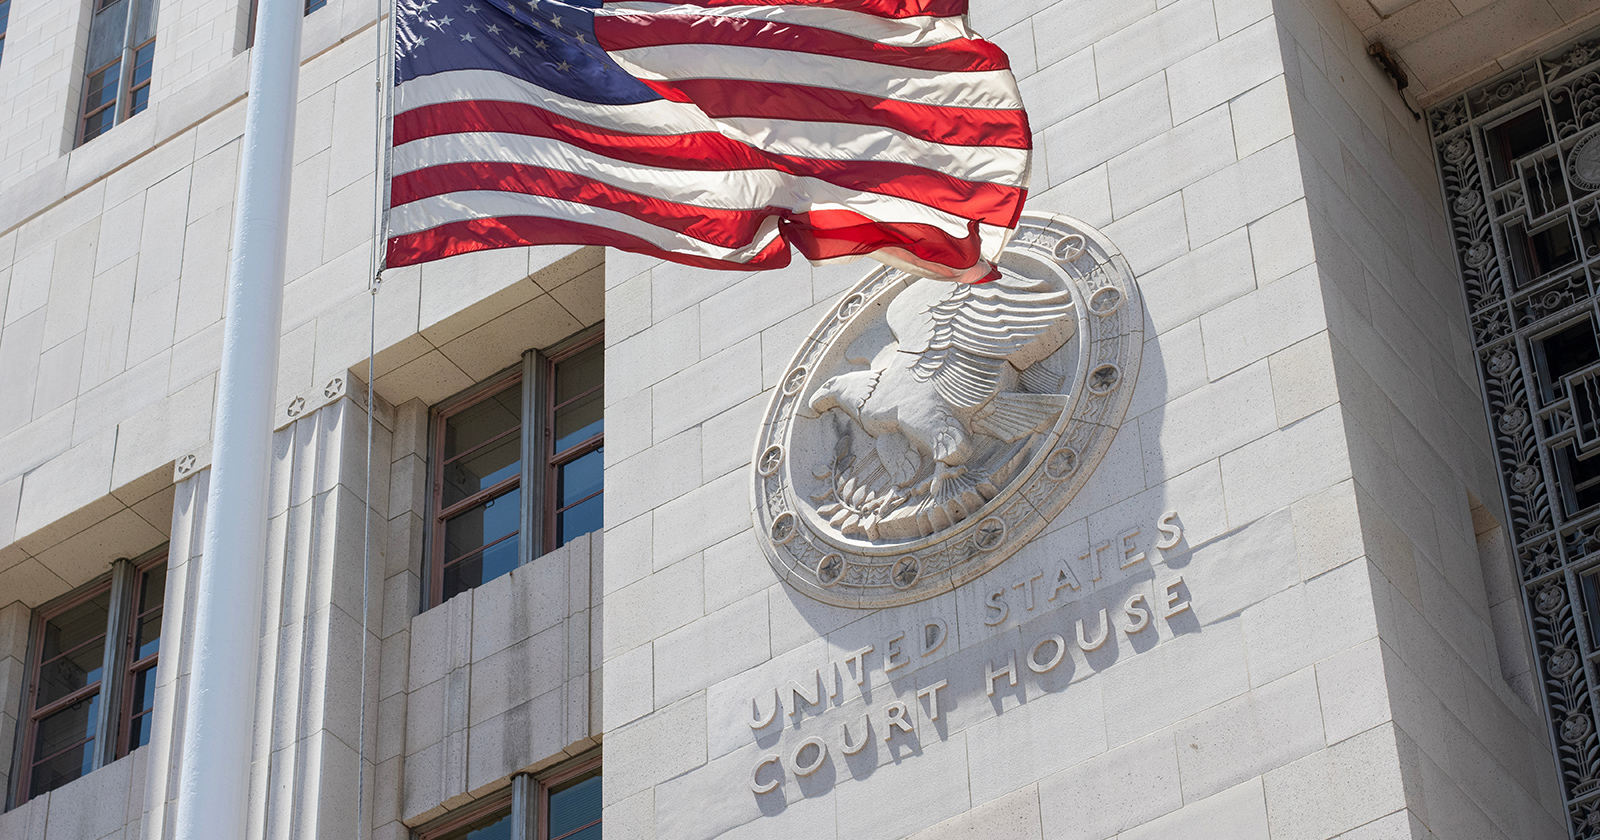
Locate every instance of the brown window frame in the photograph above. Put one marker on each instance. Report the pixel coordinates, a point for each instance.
(553, 460)
(84, 114)
(495, 386)
(134, 88)
(563, 773)
(527, 802)
(122, 585)
(495, 806)
(536, 372)
(34, 713)
(130, 641)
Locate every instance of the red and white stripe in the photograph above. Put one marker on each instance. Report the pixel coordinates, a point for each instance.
(841, 127)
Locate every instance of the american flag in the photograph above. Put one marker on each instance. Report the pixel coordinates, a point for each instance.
(716, 133)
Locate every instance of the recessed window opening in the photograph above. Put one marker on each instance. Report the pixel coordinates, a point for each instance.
(118, 65)
(517, 467)
(92, 688)
(1589, 589)
(1518, 136)
(559, 804)
(577, 453)
(1569, 350)
(1579, 480)
(574, 808)
(1541, 252)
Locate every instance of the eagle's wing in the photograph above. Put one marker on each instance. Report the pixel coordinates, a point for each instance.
(978, 329)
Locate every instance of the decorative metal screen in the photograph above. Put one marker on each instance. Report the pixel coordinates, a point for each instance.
(1519, 159)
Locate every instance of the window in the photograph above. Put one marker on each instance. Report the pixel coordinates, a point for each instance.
(563, 804)
(517, 467)
(572, 806)
(117, 69)
(94, 657)
(5, 14)
(1512, 139)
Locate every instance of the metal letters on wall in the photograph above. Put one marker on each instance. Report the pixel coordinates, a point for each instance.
(1520, 163)
(925, 431)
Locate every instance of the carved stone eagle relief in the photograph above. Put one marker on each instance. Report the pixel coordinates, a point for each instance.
(948, 406)
(926, 430)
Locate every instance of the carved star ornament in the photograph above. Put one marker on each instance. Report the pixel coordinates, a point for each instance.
(925, 431)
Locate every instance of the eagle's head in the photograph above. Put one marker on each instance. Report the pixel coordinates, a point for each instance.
(847, 392)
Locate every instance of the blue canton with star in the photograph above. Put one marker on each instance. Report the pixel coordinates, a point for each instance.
(550, 43)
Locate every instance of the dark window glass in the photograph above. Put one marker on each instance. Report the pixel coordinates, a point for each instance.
(145, 645)
(579, 491)
(482, 446)
(144, 702)
(65, 745)
(1590, 583)
(100, 99)
(1579, 479)
(480, 463)
(576, 454)
(72, 696)
(580, 398)
(1568, 351)
(147, 629)
(73, 650)
(482, 543)
(575, 808)
(1512, 139)
(139, 96)
(495, 827)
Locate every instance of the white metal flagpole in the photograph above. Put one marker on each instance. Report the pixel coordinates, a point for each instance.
(214, 780)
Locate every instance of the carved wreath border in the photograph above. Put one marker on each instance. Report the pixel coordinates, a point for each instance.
(842, 574)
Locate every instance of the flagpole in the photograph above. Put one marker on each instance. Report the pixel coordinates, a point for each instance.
(219, 727)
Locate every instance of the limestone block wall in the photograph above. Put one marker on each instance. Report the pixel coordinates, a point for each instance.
(1270, 707)
(1474, 747)
(500, 680)
(113, 259)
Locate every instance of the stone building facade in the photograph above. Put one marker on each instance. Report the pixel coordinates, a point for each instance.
(1312, 577)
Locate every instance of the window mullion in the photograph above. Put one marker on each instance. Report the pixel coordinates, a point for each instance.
(119, 622)
(125, 76)
(524, 807)
(535, 386)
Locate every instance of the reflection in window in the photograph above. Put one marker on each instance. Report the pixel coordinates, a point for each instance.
(76, 706)
(117, 66)
(577, 454)
(574, 808)
(478, 493)
(492, 490)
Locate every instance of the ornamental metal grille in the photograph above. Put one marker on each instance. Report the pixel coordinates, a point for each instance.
(1519, 159)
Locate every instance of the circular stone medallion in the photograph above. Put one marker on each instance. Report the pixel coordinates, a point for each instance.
(926, 431)
(1583, 163)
